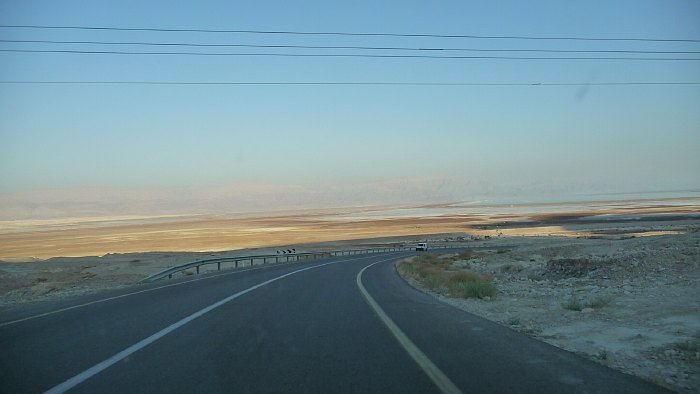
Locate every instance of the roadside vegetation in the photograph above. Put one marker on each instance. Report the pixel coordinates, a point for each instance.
(438, 273)
(689, 346)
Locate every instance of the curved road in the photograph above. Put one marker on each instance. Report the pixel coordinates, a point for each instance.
(346, 324)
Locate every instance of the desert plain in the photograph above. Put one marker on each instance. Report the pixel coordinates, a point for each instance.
(616, 281)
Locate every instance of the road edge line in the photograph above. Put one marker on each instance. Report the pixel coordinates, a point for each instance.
(443, 383)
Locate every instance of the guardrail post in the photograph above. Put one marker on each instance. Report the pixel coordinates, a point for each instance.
(291, 257)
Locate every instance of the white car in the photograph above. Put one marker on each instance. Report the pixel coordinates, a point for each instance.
(421, 246)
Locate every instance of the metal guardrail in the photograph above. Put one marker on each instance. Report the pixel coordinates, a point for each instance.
(277, 258)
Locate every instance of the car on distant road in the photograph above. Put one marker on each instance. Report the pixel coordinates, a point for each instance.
(421, 246)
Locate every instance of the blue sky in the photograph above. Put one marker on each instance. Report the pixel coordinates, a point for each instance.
(602, 138)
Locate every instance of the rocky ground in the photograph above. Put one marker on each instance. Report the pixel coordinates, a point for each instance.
(632, 303)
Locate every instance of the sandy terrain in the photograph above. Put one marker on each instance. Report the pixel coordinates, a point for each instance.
(636, 261)
(42, 239)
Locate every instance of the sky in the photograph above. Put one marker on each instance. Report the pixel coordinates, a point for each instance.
(352, 144)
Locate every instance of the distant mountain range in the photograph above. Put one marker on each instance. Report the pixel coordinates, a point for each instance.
(260, 197)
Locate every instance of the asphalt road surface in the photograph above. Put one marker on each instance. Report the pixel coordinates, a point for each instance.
(340, 325)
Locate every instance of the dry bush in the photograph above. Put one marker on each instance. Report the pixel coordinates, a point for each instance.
(434, 273)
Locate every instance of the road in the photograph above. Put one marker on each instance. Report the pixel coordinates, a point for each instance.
(340, 325)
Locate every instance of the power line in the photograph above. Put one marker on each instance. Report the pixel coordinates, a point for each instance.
(292, 32)
(347, 55)
(349, 83)
(196, 45)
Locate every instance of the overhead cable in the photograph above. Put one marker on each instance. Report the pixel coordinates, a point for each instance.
(272, 83)
(382, 48)
(347, 55)
(293, 32)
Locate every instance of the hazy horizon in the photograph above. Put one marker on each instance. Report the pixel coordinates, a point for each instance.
(604, 116)
(271, 198)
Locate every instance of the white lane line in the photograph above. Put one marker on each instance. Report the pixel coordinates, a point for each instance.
(443, 383)
(138, 292)
(97, 368)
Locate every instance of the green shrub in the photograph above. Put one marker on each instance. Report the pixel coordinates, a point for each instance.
(434, 282)
(599, 302)
(602, 355)
(463, 277)
(572, 305)
(432, 271)
(690, 346)
(478, 289)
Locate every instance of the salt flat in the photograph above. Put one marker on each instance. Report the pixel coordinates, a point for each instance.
(94, 236)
